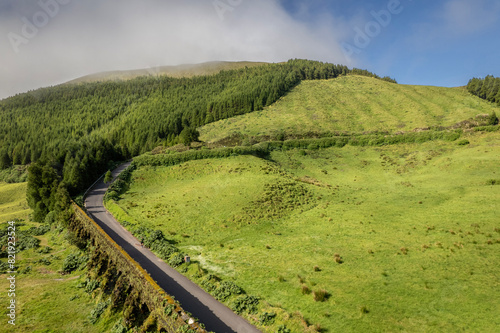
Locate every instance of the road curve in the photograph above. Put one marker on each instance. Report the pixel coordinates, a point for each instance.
(215, 315)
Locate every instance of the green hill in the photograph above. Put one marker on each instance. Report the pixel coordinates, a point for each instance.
(359, 231)
(81, 127)
(386, 234)
(401, 237)
(353, 104)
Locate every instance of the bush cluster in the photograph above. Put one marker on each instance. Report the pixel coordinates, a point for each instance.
(245, 304)
(120, 185)
(267, 318)
(97, 311)
(73, 262)
(225, 290)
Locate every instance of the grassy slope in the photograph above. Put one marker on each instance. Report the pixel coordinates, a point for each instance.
(13, 201)
(429, 201)
(354, 103)
(43, 295)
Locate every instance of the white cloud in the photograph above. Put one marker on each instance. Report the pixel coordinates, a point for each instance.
(88, 36)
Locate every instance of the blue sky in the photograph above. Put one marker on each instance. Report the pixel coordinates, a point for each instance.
(441, 43)
(444, 43)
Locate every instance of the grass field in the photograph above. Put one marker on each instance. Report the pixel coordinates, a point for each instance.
(13, 202)
(401, 238)
(354, 104)
(46, 300)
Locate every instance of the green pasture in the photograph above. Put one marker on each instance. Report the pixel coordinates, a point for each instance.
(401, 238)
(13, 201)
(47, 301)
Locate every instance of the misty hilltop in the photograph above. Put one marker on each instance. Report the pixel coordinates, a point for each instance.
(183, 70)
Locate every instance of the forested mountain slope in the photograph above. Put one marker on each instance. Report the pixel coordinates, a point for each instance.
(77, 130)
(81, 127)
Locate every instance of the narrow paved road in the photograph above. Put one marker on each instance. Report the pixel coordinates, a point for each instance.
(215, 315)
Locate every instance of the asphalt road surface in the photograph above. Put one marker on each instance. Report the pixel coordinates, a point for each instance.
(215, 315)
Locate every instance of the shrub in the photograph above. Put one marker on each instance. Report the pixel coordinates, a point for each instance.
(463, 142)
(320, 295)
(185, 329)
(26, 242)
(283, 329)
(245, 304)
(51, 217)
(91, 285)
(73, 261)
(70, 263)
(176, 260)
(26, 270)
(267, 318)
(338, 259)
(169, 309)
(119, 328)
(108, 177)
(97, 311)
(41, 230)
(313, 146)
(305, 290)
(493, 119)
(226, 289)
(43, 261)
(4, 267)
(487, 128)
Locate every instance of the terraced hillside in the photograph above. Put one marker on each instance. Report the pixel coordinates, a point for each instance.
(354, 104)
(352, 239)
